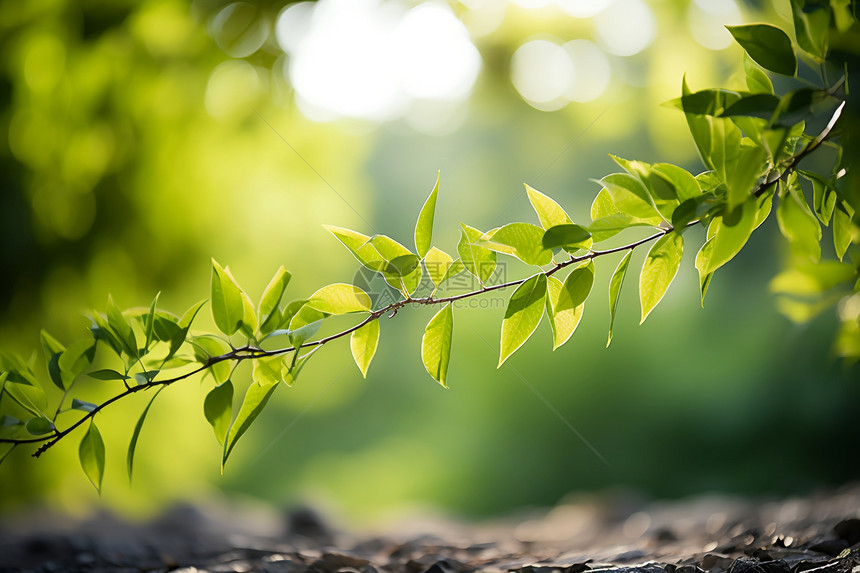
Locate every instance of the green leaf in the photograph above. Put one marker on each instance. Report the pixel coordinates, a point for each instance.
(693, 209)
(53, 350)
(255, 400)
(339, 298)
(144, 378)
(522, 315)
(703, 258)
(768, 46)
(91, 453)
(762, 105)
(400, 269)
(741, 173)
(83, 406)
(266, 370)
(184, 325)
(135, 436)
(728, 240)
(565, 236)
(363, 343)
(548, 211)
(684, 184)
(360, 247)
(268, 309)
(437, 263)
(824, 196)
(812, 26)
(522, 240)
(615, 290)
(39, 426)
(31, 398)
(228, 306)
(479, 261)
(842, 228)
(705, 102)
(121, 328)
(630, 195)
(306, 323)
(207, 347)
(149, 325)
(798, 224)
(107, 374)
(757, 80)
(218, 409)
(75, 360)
(565, 302)
(659, 270)
(424, 226)
(436, 344)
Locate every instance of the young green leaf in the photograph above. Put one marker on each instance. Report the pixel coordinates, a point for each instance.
(757, 80)
(218, 409)
(31, 398)
(548, 211)
(135, 436)
(768, 46)
(842, 228)
(659, 270)
(812, 26)
(437, 263)
(53, 350)
(255, 400)
(615, 290)
(363, 343)
(91, 453)
(107, 374)
(83, 406)
(798, 224)
(266, 370)
(149, 324)
(565, 302)
(121, 328)
(424, 226)
(207, 347)
(522, 315)
(565, 236)
(480, 261)
(455, 269)
(339, 298)
(360, 247)
(39, 426)
(75, 360)
(729, 240)
(268, 307)
(630, 195)
(228, 306)
(436, 344)
(522, 240)
(703, 258)
(183, 325)
(683, 183)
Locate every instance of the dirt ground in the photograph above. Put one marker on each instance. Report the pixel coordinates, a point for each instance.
(818, 533)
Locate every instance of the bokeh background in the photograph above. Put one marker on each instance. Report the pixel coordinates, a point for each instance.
(142, 138)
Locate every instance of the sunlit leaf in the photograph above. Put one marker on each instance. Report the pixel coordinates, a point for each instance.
(149, 324)
(438, 263)
(228, 307)
(121, 328)
(478, 260)
(548, 211)
(436, 344)
(339, 298)
(184, 325)
(218, 409)
(684, 184)
(522, 240)
(363, 343)
(566, 235)
(808, 278)
(266, 370)
(565, 302)
(615, 284)
(757, 80)
(268, 307)
(255, 400)
(729, 240)
(522, 315)
(798, 224)
(360, 247)
(208, 347)
(659, 270)
(629, 195)
(703, 258)
(768, 46)
(842, 228)
(91, 453)
(424, 226)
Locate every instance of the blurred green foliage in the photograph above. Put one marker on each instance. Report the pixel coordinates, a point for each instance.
(137, 149)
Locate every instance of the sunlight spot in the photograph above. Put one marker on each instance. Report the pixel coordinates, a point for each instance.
(240, 29)
(583, 8)
(626, 27)
(233, 87)
(591, 71)
(707, 21)
(293, 24)
(542, 72)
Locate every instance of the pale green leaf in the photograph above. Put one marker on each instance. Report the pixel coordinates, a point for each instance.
(477, 260)
(703, 258)
(339, 298)
(728, 240)
(218, 409)
(266, 370)
(659, 270)
(757, 80)
(522, 315)
(436, 344)
(437, 263)
(565, 302)
(207, 347)
(255, 400)
(228, 305)
(615, 284)
(548, 211)
(360, 247)
(566, 236)
(522, 240)
(91, 453)
(424, 226)
(363, 343)
(268, 308)
(799, 225)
